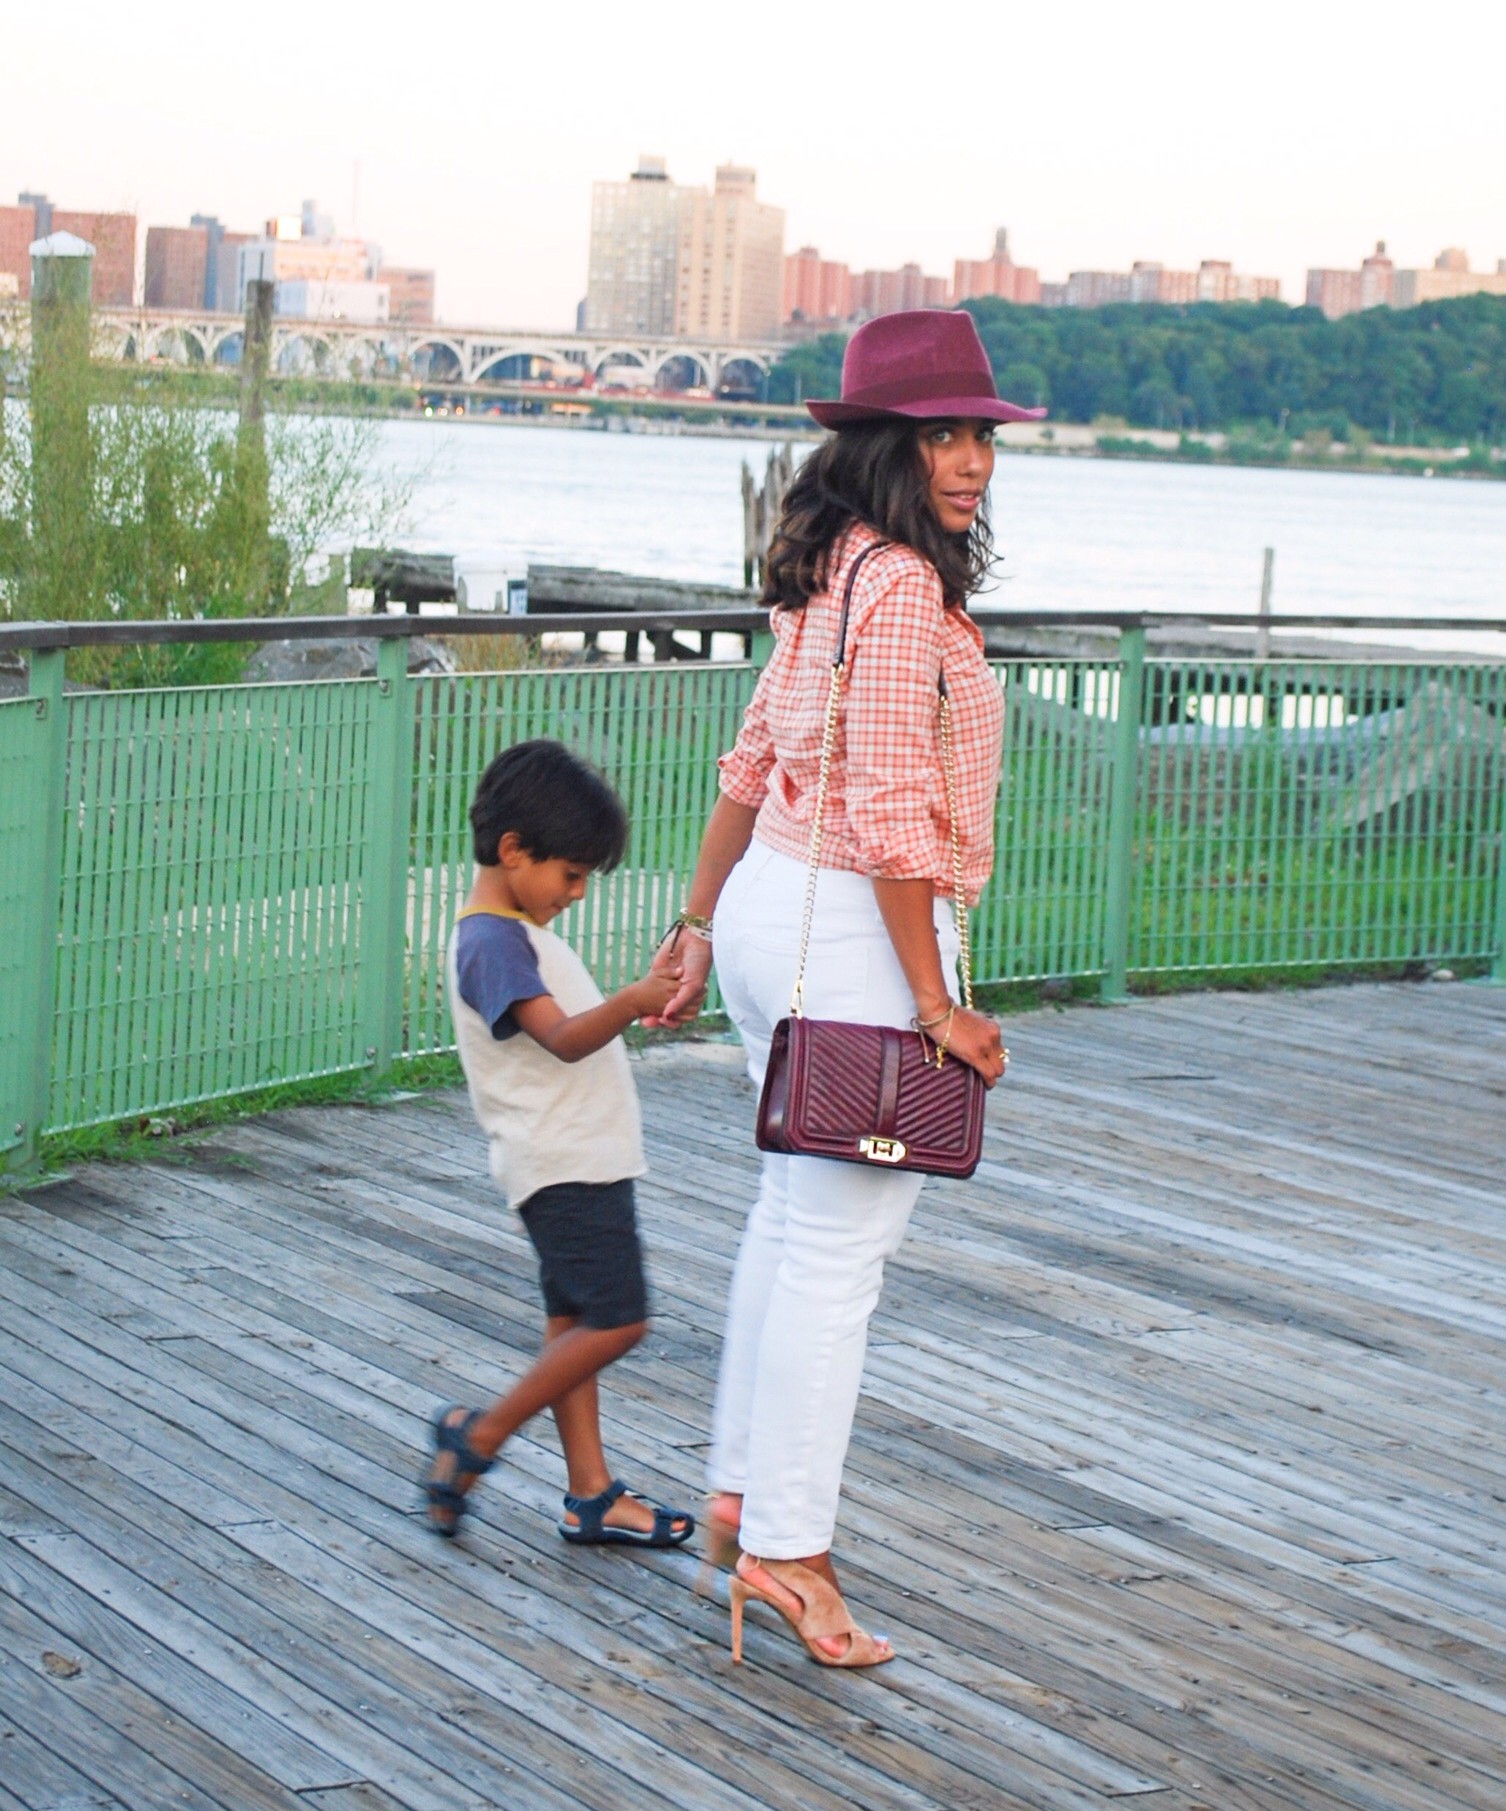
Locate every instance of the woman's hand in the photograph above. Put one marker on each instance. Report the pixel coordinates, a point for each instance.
(689, 957)
(973, 1038)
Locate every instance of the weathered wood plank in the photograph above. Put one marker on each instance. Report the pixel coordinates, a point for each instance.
(1178, 1475)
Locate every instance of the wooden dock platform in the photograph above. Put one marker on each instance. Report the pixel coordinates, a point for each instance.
(1180, 1476)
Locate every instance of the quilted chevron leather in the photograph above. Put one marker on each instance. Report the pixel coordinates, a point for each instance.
(858, 1092)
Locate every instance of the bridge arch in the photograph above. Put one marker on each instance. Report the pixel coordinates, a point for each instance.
(178, 344)
(298, 352)
(607, 356)
(742, 373)
(691, 366)
(449, 366)
(486, 357)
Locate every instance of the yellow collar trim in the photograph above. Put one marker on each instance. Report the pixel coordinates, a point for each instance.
(491, 912)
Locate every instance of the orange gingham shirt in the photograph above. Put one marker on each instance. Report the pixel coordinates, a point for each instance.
(886, 805)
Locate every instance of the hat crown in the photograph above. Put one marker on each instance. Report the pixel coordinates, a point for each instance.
(900, 358)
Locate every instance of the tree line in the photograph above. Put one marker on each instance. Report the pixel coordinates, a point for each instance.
(1426, 375)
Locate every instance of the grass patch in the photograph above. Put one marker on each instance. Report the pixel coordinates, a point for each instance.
(169, 1135)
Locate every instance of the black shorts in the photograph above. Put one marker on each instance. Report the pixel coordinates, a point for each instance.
(590, 1261)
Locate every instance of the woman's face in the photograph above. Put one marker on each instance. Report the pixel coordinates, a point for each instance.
(958, 460)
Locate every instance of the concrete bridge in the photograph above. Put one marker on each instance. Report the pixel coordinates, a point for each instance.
(455, 357)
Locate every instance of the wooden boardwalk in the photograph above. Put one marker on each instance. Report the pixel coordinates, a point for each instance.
(1180, 1475)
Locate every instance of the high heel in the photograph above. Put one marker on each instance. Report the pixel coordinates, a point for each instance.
(822, 1617)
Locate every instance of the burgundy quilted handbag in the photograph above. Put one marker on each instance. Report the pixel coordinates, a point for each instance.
(871, 1093)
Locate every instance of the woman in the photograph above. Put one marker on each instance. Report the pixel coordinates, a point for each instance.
(902, 488)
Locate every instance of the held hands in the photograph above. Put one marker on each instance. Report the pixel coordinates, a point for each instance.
(652, 994)
(688, 960)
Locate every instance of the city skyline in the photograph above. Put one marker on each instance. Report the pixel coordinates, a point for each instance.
(1100, 140)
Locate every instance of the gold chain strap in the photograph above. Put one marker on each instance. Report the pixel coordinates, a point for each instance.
(959, 910)
(948, 768)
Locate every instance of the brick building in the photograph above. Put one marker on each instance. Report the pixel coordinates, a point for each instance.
(815, 288)
(177, 262)
(18, 228)
(1340, 292)
(1449, 277)
(411, 293)
(113, 237)
(995, 276)
(891, 291)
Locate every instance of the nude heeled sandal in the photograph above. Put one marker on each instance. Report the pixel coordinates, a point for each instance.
(823, 1615)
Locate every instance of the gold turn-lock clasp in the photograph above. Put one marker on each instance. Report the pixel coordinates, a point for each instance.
(881, 1150)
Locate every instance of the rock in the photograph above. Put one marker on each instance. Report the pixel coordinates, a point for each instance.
(287, 662)
(1441, 974)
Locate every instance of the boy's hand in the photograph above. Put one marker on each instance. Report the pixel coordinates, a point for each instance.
(652, 994)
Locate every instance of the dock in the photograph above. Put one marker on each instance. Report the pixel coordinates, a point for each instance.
(1178, 1479)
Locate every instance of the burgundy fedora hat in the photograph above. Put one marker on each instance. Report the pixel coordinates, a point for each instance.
(927, 364)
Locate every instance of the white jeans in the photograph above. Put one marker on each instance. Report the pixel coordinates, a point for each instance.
(811, 1263)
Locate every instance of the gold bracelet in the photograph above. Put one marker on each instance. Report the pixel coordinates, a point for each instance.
(919, 1024)
(945, 1038)
(691, 922)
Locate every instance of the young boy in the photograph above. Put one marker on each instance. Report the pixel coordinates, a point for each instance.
(550, 1083)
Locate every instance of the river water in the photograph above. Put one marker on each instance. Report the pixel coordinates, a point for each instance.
(1080, 534)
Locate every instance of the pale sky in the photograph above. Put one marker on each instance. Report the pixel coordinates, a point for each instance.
(466, 138)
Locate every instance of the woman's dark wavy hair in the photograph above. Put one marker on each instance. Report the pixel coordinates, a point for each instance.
(869, 471)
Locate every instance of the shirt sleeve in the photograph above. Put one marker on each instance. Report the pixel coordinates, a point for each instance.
(744, 770)
(893, 751)
(495, 967)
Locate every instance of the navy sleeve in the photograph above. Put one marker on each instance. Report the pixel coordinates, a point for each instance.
(495, 967)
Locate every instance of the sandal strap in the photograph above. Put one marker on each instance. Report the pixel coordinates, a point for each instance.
(454, 1437)
(591, 1510)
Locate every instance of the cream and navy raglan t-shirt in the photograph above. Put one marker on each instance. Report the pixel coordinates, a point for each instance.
(546, 1121)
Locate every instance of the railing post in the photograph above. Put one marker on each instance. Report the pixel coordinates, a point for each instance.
(39, 866)
(385, 908)
(1498, 960)
(1122, 790)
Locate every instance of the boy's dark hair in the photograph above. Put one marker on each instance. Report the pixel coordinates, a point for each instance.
(553, 802)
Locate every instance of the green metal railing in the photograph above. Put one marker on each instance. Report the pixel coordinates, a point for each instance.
(206, 891)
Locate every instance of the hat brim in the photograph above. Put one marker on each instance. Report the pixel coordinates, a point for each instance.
(939, 408)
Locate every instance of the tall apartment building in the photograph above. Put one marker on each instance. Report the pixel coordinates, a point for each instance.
(995, 276)
(1341, 292)
(1449, 277)
(671, 260)
(113, 237)
(731, 260)
(815, 288)
(632, 284)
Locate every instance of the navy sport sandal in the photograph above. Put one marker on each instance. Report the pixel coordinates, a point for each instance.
(454, 1458)
(592, 1531)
